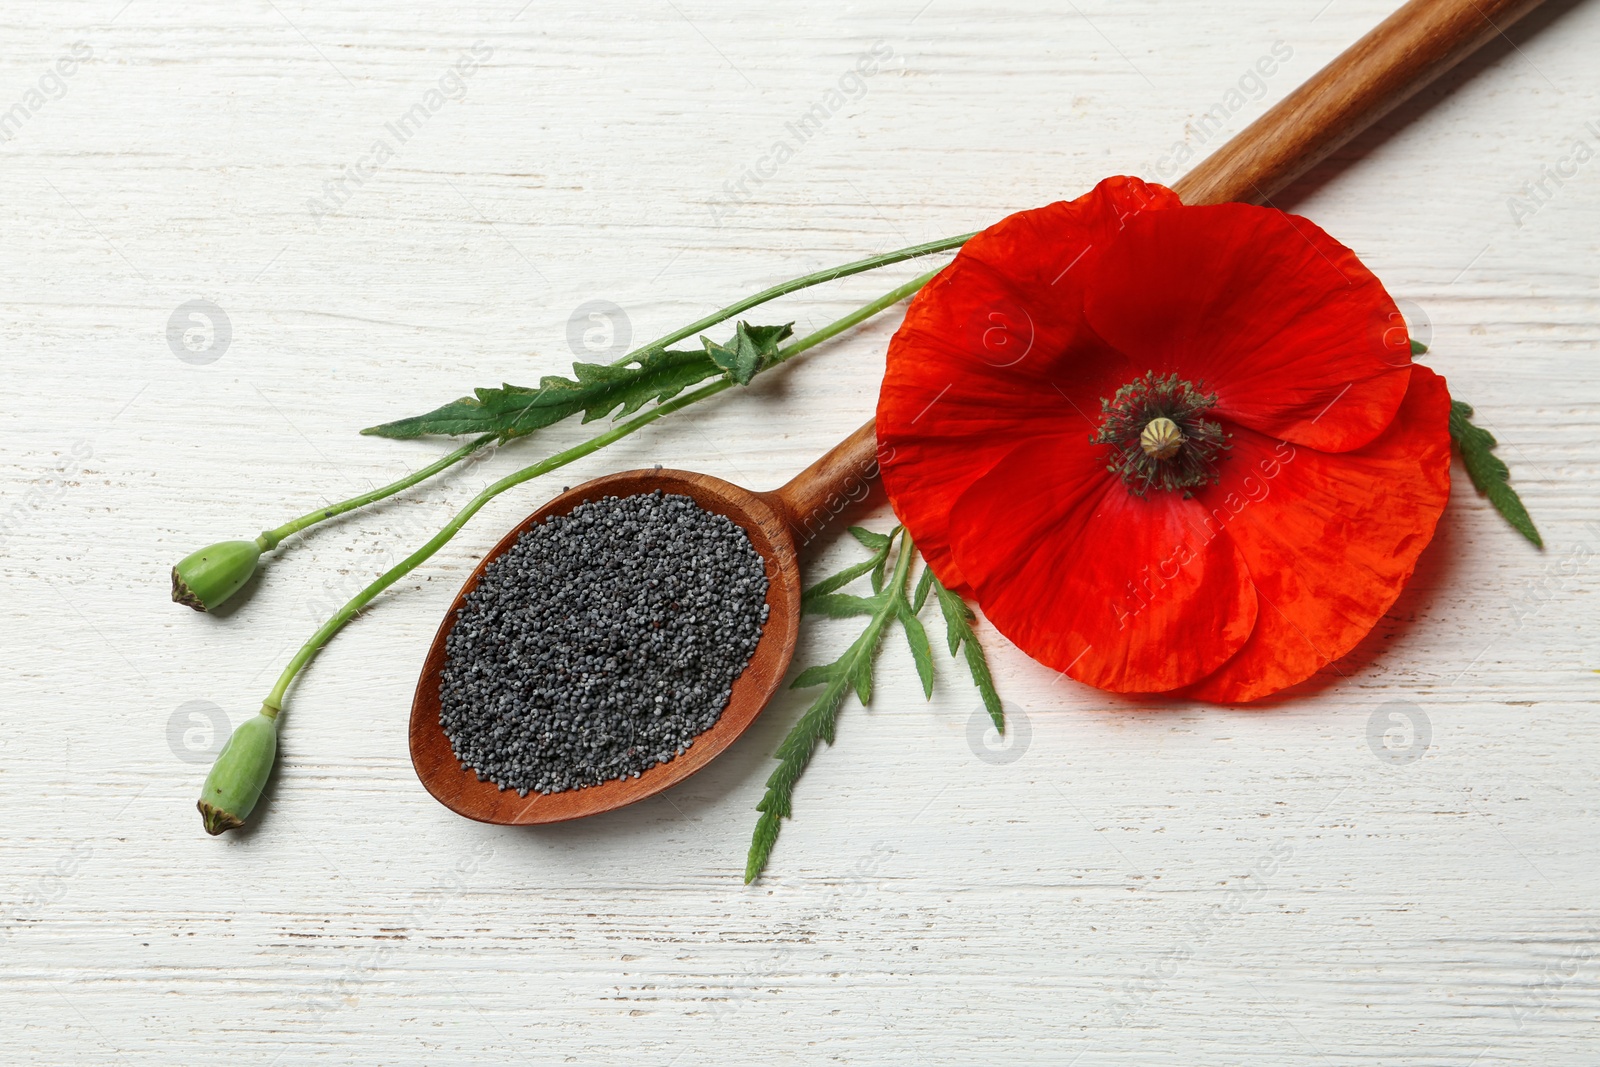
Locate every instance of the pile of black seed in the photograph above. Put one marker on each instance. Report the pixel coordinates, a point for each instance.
(601, 644)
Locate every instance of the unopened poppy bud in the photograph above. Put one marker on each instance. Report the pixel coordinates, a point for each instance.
(204, 579)
(240, 773)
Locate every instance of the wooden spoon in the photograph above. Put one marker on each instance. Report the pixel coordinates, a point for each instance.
(1416, 44)
(779, 523)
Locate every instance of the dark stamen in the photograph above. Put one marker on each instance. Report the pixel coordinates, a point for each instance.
(1158, 437)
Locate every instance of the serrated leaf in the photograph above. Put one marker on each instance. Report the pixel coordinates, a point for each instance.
(852, 671)
(921, 651)
(768, 339)
(595, 389)
(877, 542)
(879, 569)
(766, 836)
(958, 619)
(514, 411)
(957, 616)
(978, 667)
(843, 605)
(838, 581)
(751, 348)
(923, 585)
(816, 675)
(1488, 473)
(861, 678)
(780, 781)
(793, 754)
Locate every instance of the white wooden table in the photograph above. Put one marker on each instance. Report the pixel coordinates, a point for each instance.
(1185, 886)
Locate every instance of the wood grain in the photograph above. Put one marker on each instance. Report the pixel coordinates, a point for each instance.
(1171, 886)
(839, 479)
(1400, 56)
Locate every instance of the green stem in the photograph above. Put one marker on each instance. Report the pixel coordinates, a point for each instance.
(269, 539)
(274, 701)
(819, 721)
(437, 541)
(860, 315)
(902, 565)
(900, 255)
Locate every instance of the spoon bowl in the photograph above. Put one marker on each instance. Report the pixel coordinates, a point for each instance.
(778, 524)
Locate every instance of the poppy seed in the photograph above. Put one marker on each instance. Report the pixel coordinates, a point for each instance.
(601, 644)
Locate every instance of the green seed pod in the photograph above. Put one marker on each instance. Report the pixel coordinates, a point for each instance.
(237, 778)
(206, 578)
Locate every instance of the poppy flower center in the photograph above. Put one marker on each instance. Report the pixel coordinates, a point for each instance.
(1159, 436)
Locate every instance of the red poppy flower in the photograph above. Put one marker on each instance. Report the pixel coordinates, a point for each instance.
(1165, 447)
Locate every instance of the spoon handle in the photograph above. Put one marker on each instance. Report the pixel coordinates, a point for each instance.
(816, 496)
(1363, 83)
(1403, 53)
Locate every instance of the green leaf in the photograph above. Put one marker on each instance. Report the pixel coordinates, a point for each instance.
(595, 389)
(882, 563)
(978, 667)
(957, 616)
(877, 542)
(958, 620)
(852, 671)
(921, 651)
(751, 348)
(811, 676)
(766, 836)
(1489, 475)
(843, 605)
(923, 585)
(1417, 347)
(861, 680)
(794, 753)
(838, 581)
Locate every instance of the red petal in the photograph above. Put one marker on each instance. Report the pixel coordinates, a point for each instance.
(1047, 248)
(994, 351)
(1085, 577)
(1329, 540)
(1295, 336)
